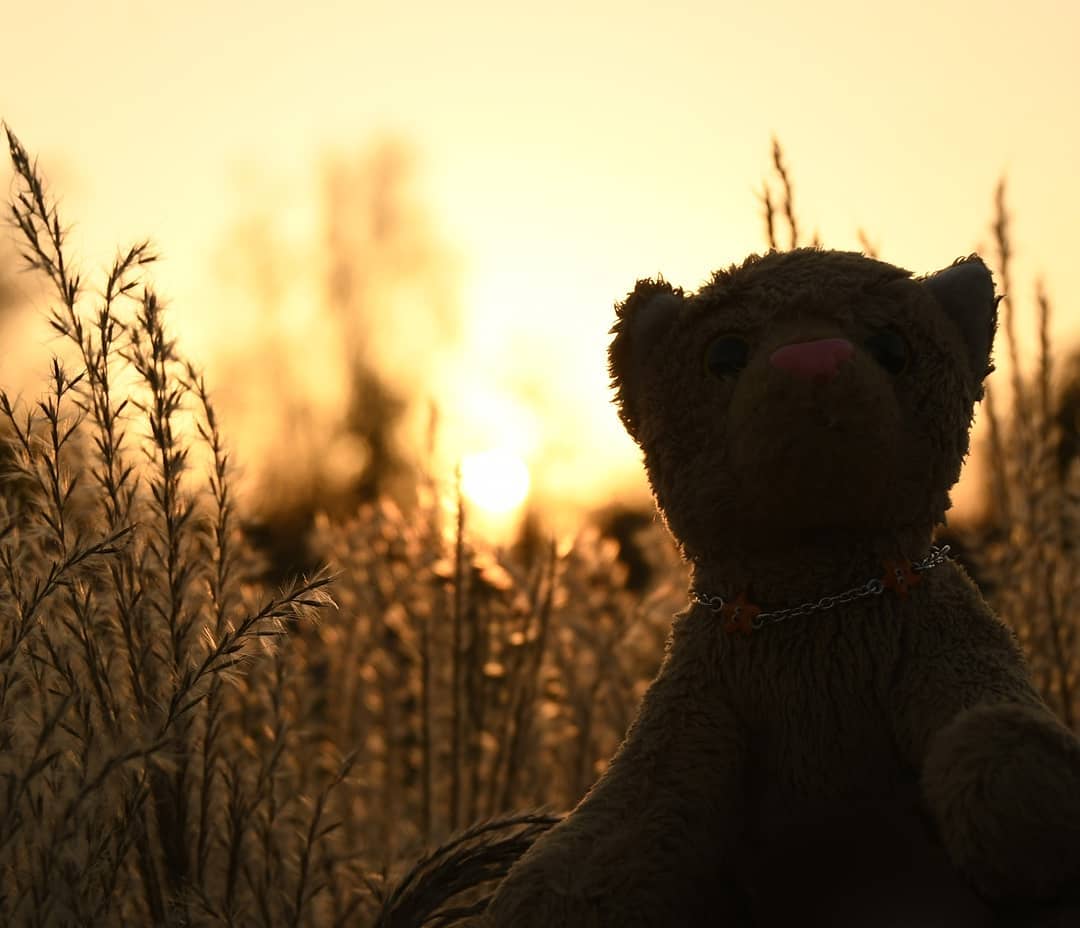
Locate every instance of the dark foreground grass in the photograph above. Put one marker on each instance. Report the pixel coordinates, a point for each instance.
(181, 746)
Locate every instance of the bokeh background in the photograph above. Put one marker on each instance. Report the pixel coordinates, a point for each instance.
(445, 201)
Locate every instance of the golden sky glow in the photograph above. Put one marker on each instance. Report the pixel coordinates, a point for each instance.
(564, 149)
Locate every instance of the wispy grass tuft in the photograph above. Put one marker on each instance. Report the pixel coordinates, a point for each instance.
(125, 617)
(784, 206)
(1030, 545)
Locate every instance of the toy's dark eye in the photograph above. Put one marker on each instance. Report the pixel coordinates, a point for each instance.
(889, 348)
(727, 355)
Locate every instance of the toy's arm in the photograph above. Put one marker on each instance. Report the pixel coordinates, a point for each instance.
(953, 658)
(653, 833)
(1000, 774)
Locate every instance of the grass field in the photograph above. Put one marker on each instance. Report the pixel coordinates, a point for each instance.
(182, 745)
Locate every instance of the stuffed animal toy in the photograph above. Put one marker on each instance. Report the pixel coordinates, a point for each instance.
(841, 732)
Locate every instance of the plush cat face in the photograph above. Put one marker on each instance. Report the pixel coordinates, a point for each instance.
(803, 395)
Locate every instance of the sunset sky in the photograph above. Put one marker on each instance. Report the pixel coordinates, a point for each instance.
(561, 151)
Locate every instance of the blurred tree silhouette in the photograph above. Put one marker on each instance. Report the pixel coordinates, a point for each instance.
(390, 287)
(386, 292)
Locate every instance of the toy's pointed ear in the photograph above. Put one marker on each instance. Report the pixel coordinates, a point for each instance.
(965, 290)
(639, 320)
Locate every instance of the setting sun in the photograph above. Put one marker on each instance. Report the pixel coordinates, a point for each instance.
(496, 480)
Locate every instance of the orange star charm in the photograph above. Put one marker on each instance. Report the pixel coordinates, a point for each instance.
(899, 577)
(739, 616)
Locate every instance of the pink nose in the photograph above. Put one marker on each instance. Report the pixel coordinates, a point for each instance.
(818, 361)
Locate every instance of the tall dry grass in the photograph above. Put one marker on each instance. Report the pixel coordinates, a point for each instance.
(181, 746)
(1030, 537)
(135, 768)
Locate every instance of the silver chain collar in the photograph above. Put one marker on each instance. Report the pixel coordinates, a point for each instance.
(873, 587)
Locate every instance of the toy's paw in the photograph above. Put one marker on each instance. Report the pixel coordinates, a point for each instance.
(1003, 783)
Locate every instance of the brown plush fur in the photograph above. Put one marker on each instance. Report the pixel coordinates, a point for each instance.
(883, 762)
